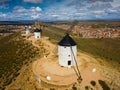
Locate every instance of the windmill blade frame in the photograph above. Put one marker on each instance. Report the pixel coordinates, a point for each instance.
(71, 27)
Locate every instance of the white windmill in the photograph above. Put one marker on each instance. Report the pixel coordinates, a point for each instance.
(67, 52)
(27, 31)
(37, 33)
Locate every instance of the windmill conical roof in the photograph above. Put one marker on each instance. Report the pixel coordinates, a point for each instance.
(67, 41)
(37, 30)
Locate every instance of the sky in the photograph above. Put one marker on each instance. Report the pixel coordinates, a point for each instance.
(53, 10)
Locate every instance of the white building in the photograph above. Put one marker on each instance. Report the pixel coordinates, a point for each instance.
(1, 33)
(37, 33)
(67, 51)
(27, 31)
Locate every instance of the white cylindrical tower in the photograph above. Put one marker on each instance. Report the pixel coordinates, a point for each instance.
(27, 31)
(67, 51)
(37, 33)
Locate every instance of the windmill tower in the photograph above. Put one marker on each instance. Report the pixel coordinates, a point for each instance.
(37, 33)
(67, 51)
(27, 31)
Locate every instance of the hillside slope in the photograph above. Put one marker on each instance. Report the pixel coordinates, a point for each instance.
(15, 52)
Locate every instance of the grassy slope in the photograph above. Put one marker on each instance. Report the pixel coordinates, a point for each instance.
(107, 49)
(54, 33)
(14, 53)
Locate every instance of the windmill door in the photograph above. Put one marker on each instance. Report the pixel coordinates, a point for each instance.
(69, 62)
(37, 36)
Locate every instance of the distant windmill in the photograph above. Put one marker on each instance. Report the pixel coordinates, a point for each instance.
(37, 33)
(67, 52)
(27, 30)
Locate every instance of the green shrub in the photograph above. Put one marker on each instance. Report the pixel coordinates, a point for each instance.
(74, 87)
(88, 88)
(103, 85)
(52, 89)
(93, 83)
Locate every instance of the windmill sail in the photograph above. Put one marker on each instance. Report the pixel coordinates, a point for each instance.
(72, 26)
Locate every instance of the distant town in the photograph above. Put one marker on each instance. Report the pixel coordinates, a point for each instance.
(8, 27)
(94, 30)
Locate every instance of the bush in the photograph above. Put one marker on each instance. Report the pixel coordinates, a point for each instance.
(88, 88)
(52, 89)
(104, 85)
(93, 83)
(74, 87)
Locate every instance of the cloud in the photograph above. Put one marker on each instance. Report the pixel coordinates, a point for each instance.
(54, 15)
(20, 9)
(35, 16)
(75, 9)
(93, 1)
(76, 3)
(99, 6)
(115, 3)
(33, 1)
(2, 15)
(21, 13)
(4, 6)
(5, 1)
(35, 9)
(66, 10)
(78, 9)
